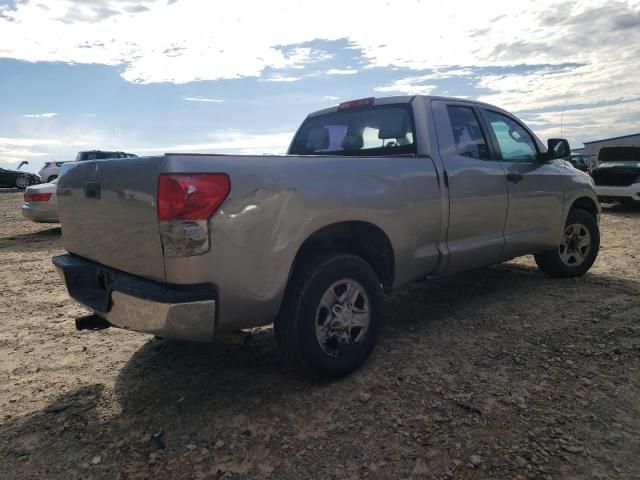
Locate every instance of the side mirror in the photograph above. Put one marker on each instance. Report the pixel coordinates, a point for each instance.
(557, 148)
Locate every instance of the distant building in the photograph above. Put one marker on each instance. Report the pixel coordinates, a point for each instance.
(593, 148)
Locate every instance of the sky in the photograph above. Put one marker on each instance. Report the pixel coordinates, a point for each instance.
(155, 76)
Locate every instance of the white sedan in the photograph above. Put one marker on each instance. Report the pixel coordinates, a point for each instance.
(40, 203)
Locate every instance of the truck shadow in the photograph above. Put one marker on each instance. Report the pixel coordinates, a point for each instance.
(45, 239)
(172, 401)
(617, 209)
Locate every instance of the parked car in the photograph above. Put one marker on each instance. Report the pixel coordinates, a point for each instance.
(101, 155)
(617, 178)
(49, 172)
(585, 163)
(373, 194)
(17, 178)
(40, 203)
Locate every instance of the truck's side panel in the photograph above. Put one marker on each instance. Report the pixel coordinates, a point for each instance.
(276, 203)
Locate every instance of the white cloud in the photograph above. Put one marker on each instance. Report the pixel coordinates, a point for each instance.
(330, 98)
(232, 142)
(14, 150)
(280, 78)
(586, 124)
(28, 142)
(203, 99)
(210, 41)
(408, 86)
(342, 71)
(40, 115)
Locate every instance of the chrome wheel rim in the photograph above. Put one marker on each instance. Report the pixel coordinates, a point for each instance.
(22, 182)
(343, 317)
(575, 245)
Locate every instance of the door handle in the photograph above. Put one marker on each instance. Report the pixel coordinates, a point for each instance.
(514, 177)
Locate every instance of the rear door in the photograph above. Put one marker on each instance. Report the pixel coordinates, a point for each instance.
(478, 197)
(535, 188)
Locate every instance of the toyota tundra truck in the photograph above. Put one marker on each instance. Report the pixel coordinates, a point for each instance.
(372, 194)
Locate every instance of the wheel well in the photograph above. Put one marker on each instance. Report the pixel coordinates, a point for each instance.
(586, 204)
(359, 238)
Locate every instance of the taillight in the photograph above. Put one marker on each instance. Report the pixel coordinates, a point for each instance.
(186, 202)
(194, 196)
(36, 197)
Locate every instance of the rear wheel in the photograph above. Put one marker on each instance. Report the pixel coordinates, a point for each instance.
(22, 182)
(578, 248)
(331, 316)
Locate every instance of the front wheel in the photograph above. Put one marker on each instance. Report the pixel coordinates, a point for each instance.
(578, 248)
(22, 182)
(331, 316)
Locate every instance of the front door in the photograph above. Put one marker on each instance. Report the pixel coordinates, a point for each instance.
(478, 197)
(534, 221)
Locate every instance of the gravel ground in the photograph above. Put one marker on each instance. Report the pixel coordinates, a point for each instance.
(497, 373)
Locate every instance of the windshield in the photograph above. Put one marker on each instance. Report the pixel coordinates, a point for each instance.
(381, 130)
(619, 154)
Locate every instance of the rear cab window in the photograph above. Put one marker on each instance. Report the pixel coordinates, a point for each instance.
(469, 140)
(363, 131)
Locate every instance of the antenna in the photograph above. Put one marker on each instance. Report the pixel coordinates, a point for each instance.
(562, 116)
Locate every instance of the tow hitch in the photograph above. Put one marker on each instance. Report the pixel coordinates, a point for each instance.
(91, 322)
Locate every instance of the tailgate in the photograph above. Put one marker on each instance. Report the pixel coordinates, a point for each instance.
(108, 214)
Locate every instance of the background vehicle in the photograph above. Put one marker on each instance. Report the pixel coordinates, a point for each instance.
(49, 172)
(584, 163)
(17, 178)
(374, 193)
(617, 178)
(40, 203)
(101, 155)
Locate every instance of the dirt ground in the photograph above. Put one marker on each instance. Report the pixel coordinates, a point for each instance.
(499, 373)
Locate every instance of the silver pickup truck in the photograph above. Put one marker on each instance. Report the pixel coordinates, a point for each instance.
(373, 193)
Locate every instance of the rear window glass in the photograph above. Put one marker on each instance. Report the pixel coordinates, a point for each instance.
(619, 154)
(467, 134)
(97, 155)
(381, 130)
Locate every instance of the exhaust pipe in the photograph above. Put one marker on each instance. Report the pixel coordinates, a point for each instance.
(91, 322)
(238, 337)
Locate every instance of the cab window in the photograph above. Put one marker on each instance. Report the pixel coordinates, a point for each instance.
(467, 134)
(376, 130)
(515, 143)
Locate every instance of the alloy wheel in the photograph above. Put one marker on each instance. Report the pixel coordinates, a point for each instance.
(342, 318)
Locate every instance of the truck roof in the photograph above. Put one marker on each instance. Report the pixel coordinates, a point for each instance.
(401, 99)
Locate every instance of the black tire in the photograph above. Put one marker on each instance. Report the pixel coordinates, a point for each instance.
(552, 263)
(295, 327)
(51, 178)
